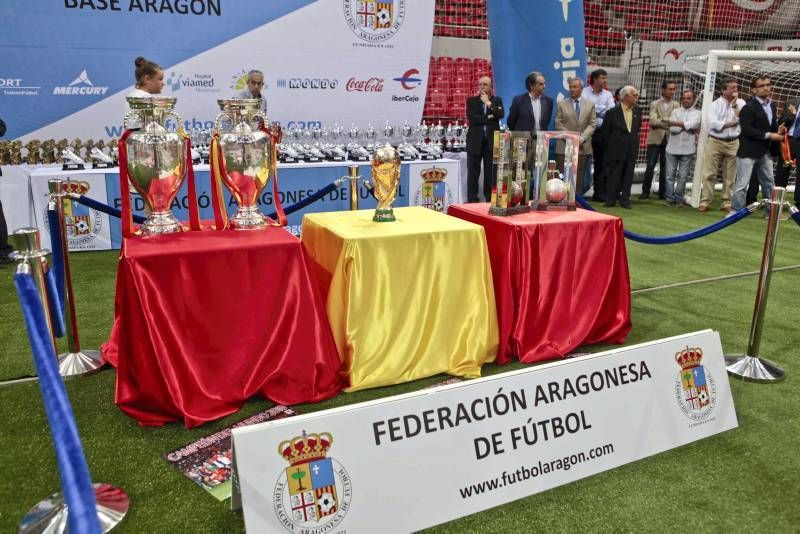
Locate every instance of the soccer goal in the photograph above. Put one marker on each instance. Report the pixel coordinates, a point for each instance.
(704, 74)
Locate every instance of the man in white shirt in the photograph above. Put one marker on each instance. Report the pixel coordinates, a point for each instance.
(603, 101)
(255, 86)
(684, 123)
(722, 145)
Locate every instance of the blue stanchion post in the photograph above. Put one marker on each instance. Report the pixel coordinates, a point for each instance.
(76, 483)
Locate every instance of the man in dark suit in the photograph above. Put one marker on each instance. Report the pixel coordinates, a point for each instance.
(484, 112)
(621, 133)
(531, 111)
(757, 142)
(790, 119)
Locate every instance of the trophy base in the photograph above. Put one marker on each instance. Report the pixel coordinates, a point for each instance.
(286, 159)
(428, 157)
(359, 158)
(248, 218)
(338, 158)
(384, 215)
(102, 165)
(50, 514)
(506, 212)
(160, 222)
(408, 158)
(72, 167)
(313, 159)
(555, 207)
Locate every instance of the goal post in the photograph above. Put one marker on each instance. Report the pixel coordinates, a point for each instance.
(783, 68)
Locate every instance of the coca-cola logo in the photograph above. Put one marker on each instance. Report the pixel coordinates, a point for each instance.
(372, 85)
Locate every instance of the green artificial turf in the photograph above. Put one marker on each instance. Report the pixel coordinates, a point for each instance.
(743, 480)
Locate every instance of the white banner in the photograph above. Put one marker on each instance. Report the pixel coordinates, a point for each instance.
(331, 61)
(87, 229)
(409, 462)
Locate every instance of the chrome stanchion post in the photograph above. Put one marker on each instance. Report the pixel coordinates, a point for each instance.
(750, 366)
(50, 514)
(33, 260)
(75, 361)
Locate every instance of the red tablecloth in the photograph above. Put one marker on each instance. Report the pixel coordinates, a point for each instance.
(560, 280)
(205, 320)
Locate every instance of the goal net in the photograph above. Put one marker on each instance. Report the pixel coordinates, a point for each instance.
(706, 74)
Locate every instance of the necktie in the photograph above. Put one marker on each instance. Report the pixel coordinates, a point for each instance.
(796, 127)
(578, 109)
(484, 126)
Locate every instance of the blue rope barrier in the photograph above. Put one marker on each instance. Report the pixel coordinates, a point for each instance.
(55, 305)
(308, 200)
(76, 483)
(677, 238)
(104, 208)
(795, 213)
(58, 254)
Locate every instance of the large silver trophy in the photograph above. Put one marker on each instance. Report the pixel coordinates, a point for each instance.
(156, 160)
(246, 158)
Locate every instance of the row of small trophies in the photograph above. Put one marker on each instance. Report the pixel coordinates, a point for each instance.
(73, 153)
(413, 142)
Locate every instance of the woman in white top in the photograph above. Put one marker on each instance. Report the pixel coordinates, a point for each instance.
(149, 78)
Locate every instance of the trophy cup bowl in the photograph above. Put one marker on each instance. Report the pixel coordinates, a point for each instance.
(386, 177)
(156, 161)
(245, 159)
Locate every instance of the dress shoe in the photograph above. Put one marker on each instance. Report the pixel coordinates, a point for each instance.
(626, 205)
(669, 203)
(644, 196)
(726, 209)
(598, 198)
(609, 204)
(702, 209)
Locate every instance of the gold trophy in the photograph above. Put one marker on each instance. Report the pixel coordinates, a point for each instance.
(16, 152)
(33, 156)
(245, 158)
(48, 152)
(77, 145)
(88, 145)
(5, 152)
(385, 177)
(60, 146)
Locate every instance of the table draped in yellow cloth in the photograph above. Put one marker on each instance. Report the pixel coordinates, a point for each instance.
(405, 299)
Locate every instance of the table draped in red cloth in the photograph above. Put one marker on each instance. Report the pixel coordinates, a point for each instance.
(560, 280)
(205, 320)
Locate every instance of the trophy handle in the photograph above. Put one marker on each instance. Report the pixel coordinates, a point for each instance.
(263, 116)
(218, 121)
(131, 114)
(178, 121)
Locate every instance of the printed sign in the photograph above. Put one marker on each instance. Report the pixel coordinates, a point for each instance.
(454, 450)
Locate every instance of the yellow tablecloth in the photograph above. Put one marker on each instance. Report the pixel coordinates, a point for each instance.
(406, 299)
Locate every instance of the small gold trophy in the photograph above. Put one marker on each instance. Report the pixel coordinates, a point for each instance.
(511, 156)
(385, 176)
(48, 151)
(33, 146)
(16, 152)
(88, 145)
(77, 145)
(60, 146)
(5, 152)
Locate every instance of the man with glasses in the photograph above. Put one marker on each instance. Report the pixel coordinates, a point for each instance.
(758, 141)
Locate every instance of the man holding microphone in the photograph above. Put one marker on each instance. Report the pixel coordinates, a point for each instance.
(484, 112)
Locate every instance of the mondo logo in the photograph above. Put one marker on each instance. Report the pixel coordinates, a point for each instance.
(409, 80)
(371, 85)
(307, 83)
(374, 21)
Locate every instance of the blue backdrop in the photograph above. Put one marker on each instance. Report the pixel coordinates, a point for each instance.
(544, 35)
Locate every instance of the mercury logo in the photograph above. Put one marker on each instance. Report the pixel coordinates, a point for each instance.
(81, 85)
